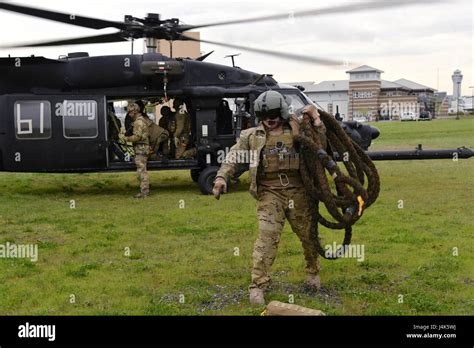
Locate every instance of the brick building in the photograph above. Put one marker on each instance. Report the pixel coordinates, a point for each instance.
(366, 95)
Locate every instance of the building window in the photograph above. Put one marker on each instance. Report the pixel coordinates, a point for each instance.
(79, 118)
(32, 119)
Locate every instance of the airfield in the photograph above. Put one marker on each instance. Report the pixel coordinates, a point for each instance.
(100, 252)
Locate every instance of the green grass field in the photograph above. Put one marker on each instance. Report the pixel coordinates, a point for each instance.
(183, 260)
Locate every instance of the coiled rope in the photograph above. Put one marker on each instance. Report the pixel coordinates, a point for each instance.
(351, 197)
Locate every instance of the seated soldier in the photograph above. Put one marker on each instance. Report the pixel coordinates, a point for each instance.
(158, 138)
(183, 131)
(168, 122)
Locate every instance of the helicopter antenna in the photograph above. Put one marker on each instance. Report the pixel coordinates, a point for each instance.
(171, 48)
(132, 45)
(232, 57)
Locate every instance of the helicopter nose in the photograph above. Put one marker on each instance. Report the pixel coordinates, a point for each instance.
(375, 132)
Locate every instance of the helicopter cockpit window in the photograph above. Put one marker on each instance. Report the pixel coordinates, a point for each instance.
(32, 119)
(294, 100)
(79, 118)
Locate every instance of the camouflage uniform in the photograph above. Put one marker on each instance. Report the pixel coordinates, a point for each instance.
(168, 122)
(182, 134)
(280, 195)
(140, 140)
(158, 139)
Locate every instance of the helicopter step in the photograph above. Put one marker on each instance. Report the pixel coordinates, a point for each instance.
(156, 165)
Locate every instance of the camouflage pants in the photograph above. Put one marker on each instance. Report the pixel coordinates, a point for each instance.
(274, 206)
(182, 144)
(141, 159)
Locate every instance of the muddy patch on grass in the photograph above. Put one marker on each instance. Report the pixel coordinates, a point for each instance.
(223, 296)
(468, 281)
(324, 294)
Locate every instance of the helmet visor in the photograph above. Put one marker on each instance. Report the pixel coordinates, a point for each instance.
(269, 114)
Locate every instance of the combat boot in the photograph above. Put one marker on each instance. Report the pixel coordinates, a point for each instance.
(141, 195)
(256, 296)
(313, 281)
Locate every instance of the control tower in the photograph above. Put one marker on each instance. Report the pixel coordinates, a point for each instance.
(457, 79)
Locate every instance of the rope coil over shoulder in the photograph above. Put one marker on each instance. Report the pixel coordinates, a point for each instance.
(352, 198)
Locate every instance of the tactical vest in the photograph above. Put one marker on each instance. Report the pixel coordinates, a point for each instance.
(145, 135)
(280, 161)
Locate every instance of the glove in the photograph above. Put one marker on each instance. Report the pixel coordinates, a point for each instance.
(295, 126)
(220, 186)
(313, 112)
(122, 137)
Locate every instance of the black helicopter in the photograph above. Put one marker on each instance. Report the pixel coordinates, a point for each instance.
(53, 112)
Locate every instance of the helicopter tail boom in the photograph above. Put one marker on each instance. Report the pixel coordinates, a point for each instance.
(420, 154)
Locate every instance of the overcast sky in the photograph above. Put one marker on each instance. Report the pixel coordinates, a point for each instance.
(413, 42)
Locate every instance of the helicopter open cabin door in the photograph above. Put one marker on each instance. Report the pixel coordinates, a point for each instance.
(59, 133)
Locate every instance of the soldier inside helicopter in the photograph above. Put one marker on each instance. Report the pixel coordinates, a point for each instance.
(169, 131)
(172, 126)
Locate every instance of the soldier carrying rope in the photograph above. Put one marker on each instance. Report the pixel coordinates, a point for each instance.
(288, 179)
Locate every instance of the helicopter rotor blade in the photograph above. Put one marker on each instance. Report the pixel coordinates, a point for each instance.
(81, 21)
(115, 37)
(348, 8)
(284, 55)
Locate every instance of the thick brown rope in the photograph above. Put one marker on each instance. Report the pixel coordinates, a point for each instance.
(351, 198)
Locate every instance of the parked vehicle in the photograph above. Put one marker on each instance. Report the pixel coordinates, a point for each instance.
(408, 116)
(360, 119)
(425, 116)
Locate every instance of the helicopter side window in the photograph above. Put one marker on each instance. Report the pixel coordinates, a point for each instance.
(80, 118)
(32, 119)
(224, 122)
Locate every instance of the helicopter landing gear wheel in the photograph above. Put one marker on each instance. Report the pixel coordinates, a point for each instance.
(195, 174)
(206, 180)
